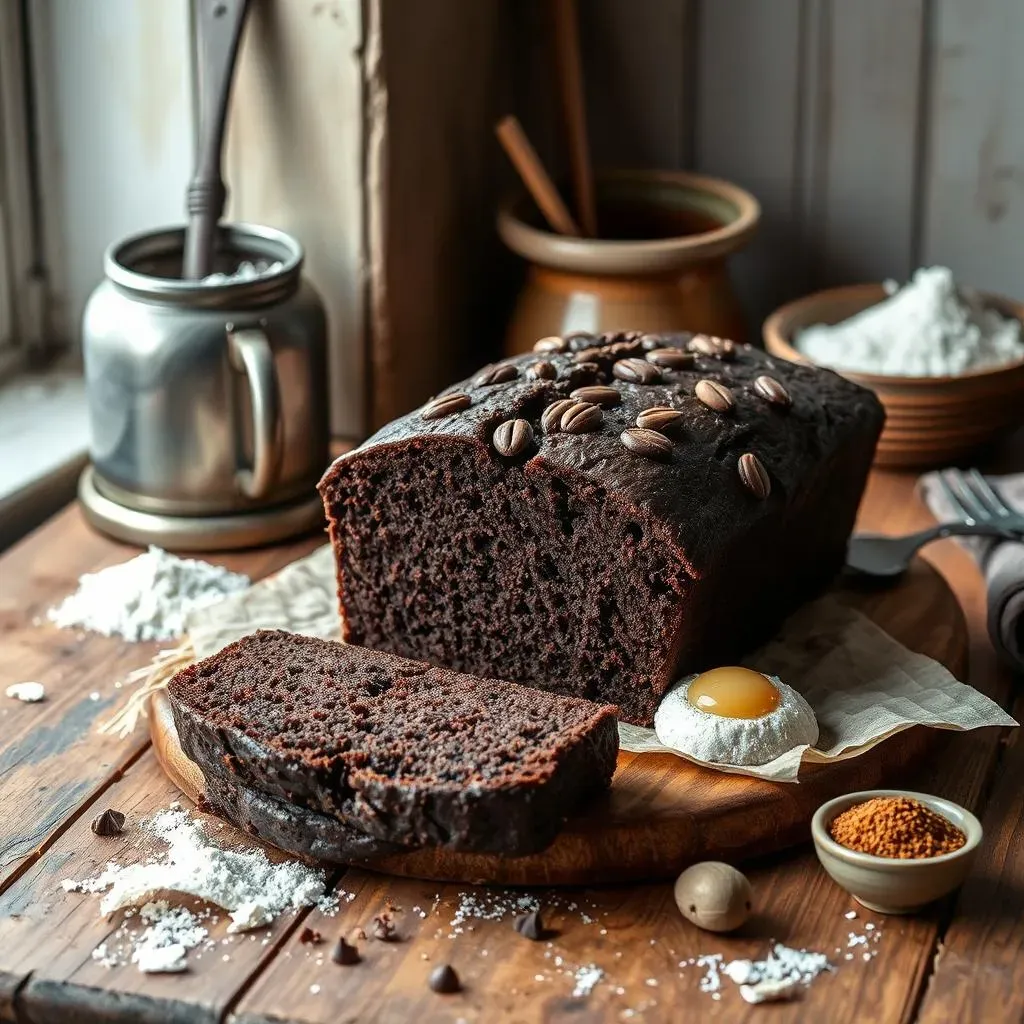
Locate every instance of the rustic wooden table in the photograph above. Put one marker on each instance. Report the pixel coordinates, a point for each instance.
(961, 960)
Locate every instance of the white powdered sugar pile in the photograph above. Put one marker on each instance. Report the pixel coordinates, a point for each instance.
(245, 271)
(780, 975)
(244, 882)
(928, 328)
(147, 598)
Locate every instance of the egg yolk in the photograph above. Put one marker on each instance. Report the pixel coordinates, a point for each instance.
(734, 693)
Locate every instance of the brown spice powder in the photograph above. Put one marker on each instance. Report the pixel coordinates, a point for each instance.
(898, 827)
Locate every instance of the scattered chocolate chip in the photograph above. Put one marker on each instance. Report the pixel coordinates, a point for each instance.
(648, 443)
(530, 926)
(345, 953)
(512, 438)
(552, 344)
(671, 358)
(446, 405)
(502, 373)
(598, 394)
(580, 418)
(660, 418)
(443, 979)
(772, 391)
(754, 476)
(384, 928)
(541, 370)
(310, 937)
(636, 371)
(109, 823)
(714, 395)
(552, 415)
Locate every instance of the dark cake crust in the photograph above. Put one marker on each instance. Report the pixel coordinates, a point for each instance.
(394, 750)
(579, 549)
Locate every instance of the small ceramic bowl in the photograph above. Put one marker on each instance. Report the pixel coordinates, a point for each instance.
(885, 884)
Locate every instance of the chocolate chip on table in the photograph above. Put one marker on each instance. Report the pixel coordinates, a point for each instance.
(109, 823)
(443, 979)
(512, 438)
(345, 953)
(754, 476)
(542, 370)
(714, 395)
(552, 415)
(530, 926)
(648, 443)
(671, 358)
(552, 344)
(502, 373)
(597, 394)
(310, 937)
(580, 418)
(772, 391)
(446, 405)
(660, 418)
(636, 371)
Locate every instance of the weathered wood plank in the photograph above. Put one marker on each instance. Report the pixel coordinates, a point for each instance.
(979, 973)
(974, 185)
(47, 936)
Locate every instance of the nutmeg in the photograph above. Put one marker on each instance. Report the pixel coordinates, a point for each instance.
(714, 896)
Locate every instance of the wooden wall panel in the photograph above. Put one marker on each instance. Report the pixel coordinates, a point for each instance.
(974, 185)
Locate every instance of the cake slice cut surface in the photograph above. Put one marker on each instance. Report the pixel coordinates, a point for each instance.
(400, 751)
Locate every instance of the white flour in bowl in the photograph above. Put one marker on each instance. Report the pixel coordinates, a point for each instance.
(147, 598)
(927, 328)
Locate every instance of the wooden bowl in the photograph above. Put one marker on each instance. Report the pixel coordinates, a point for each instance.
(929, 420)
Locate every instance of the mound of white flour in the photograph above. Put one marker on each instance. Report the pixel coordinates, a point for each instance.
(147, 598)
(928, 328)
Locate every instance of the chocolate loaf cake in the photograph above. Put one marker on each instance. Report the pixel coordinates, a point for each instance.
(602, 516)
(394, 750)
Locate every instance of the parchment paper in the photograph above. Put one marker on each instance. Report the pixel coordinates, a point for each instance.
(863, 685)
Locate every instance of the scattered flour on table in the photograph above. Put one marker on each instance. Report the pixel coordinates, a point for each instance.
(781, 975)
(27, 693)
(928, 328)
(243, 882)
(147, 598)
(586, 978)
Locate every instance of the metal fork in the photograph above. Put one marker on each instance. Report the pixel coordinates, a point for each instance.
(981, 512)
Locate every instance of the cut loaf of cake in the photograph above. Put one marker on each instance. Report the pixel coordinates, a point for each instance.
(394, 750)
(603, 516)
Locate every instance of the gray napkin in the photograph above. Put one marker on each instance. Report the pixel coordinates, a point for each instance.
(1001, 562)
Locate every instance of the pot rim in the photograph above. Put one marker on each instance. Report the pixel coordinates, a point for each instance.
(633, 256)
(277, 245)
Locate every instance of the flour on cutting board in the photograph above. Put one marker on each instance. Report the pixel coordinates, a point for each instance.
(245, 883)
(147, 598)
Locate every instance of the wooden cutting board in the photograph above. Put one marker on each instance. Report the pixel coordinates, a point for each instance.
(663, 813)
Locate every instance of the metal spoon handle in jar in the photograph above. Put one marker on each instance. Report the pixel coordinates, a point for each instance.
(219, 30)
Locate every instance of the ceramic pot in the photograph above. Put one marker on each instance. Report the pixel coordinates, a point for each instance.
(660, 265)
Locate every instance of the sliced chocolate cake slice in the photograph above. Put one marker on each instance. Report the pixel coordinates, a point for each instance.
(396, 750)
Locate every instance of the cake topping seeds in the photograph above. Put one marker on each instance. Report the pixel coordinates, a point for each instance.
(512, 438)
(580, 418)
(541, 370)
(636, 371)
(714, 395)
(552, 344)
(671, 358)
(552, 415)
(660, 418)
(443, 979)
(754, 476)
(446, 405)
(899, 827)
(772, 391)
(109, 823)
(598, 394)
(648, 443)
(502, 373)
(345, 953)
(530, 926)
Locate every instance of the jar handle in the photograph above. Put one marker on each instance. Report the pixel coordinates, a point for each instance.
(250, 354)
